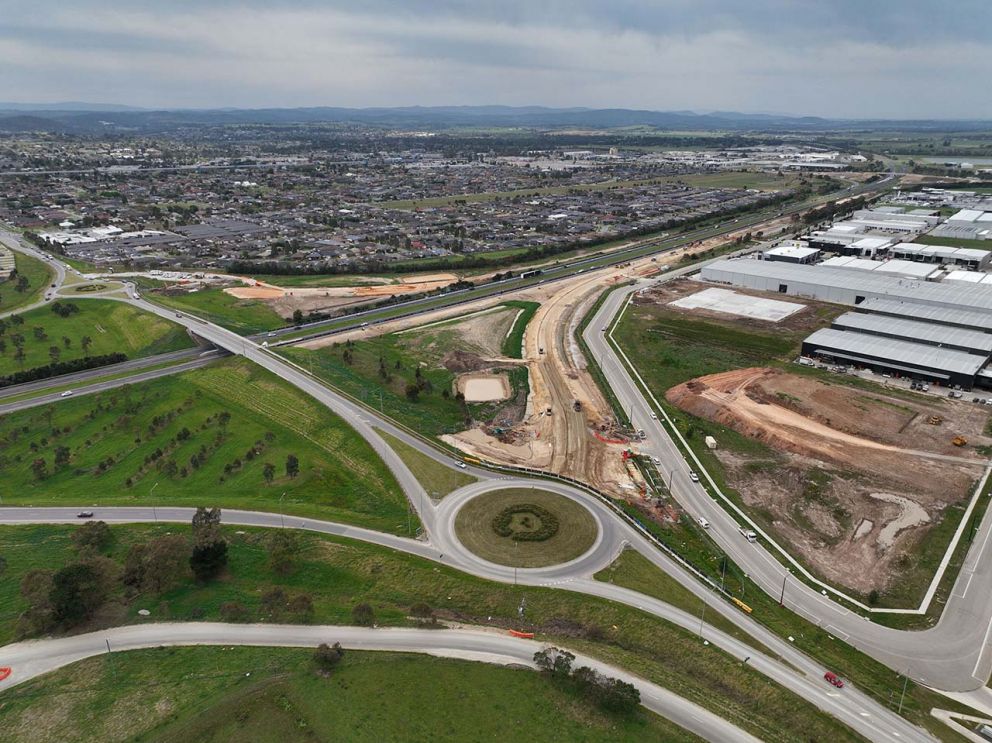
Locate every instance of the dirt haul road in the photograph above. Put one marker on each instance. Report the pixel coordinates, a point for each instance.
(565, 441)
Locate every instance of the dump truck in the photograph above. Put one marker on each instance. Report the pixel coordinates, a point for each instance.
(959, 441)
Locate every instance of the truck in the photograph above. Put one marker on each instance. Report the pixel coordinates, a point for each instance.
(748, 534)
(576, 405)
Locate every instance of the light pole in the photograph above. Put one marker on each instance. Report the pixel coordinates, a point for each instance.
(154, 511)
(905, 683)
(282, 515)
(781, 599)
(701, 615)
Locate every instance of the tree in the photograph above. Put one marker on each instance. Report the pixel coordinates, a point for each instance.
(78, 590)
(412, 392)
(86, 342)
(273, 602)
(36, 588)
(325, 657)
(61, 456)
(301, 605)
(54, 352)
(363, 615)
(93, 536)
(617, 696)
(164, 562)
(292, 465)
(207, 561)
(297, 317)
(284, 547)
(554, 661)
(206, 526)
(268, 472)
(40, 469)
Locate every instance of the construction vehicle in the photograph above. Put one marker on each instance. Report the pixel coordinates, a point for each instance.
(576, 406)
(935, 420)
(959, 441)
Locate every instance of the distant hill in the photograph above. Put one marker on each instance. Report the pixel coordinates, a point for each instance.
(89, 118)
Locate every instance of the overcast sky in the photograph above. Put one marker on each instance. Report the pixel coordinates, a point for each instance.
(841, 58)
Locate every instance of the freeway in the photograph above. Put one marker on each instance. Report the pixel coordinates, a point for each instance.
(561, 271)
(951, 656)
(789, 667)
(36, 657)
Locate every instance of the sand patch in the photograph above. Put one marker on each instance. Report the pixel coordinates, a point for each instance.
(484, 387)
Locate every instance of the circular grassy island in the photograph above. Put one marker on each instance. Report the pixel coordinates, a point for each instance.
(525, 528)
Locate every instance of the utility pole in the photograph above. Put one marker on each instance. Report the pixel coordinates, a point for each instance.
(282, 515)
(781, 599)
(154, 511)
(905, 683)
(701, 615)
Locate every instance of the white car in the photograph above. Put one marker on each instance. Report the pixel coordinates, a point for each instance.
(654, 416)
(704, 523)
(462, 465)
(66, 393)
(693, 476)
(657, 461)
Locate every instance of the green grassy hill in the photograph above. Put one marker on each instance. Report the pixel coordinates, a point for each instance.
(110, 326)
(204, 437)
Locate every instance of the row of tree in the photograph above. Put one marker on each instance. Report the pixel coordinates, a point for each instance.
(609, 693)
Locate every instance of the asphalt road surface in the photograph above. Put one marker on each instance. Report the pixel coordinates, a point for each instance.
(35, 657)
(951, 656)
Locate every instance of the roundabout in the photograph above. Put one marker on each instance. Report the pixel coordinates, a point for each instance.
(525, 527)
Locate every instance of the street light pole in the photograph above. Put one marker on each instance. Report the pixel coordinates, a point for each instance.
(781, 599)
(154, 511)
(282, 515)
(905, 683)
(701, 615)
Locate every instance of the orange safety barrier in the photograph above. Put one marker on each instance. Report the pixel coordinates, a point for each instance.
(5, 671)
(524, 635)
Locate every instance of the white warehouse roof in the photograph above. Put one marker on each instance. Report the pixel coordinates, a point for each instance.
(909, 355)
(915, 330)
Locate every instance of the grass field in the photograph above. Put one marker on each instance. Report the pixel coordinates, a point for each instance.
(169, 435)
(339, 573)
(245, 316)
(38, 275)
(111, 327)
(438, 480)
(398, 357)
(202, 694)
(577, 530)
(513, 343)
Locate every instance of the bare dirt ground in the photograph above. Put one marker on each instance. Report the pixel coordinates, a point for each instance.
(565, 441)
(285, 300)
(484, 387)
(854, 478)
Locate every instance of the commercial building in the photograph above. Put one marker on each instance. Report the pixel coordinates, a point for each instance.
(939, 332)
(792, 253)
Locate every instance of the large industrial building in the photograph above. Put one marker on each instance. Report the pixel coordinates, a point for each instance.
(930, 331)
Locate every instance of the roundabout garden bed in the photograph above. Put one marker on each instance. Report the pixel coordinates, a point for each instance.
(525, 527)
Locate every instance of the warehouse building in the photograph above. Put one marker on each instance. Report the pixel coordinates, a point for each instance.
(931, 331)
(843, 285)
(903, 358)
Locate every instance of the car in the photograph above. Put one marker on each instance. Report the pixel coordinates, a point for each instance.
(67, 393)
(84, 515)
(925, 387)
(654, 416)
(693, 476)
(748, 534)
(269, 335)
(832, 678)
(704, 523)
(605, 328)
(656, 460)
(913, 386)
(462, 465)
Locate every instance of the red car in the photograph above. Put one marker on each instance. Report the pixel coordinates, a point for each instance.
(834, 679)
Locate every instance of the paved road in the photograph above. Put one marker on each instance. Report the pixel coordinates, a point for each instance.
(17, 243)
(790, 668)
(951, 656)
(34, 658)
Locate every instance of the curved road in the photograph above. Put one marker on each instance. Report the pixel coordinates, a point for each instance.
(36, 657)
(951, 656)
